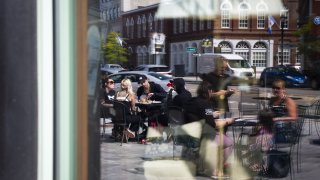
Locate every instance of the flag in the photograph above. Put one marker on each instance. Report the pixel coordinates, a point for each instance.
(120, 40)
(271, 22)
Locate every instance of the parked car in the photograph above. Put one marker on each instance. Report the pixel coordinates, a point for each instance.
(290, 75)
(162, 69)
(110, 68)
(162, 80)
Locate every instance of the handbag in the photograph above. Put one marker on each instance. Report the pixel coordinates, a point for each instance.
(278, 164)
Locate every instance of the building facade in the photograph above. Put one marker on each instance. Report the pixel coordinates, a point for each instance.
(244, 34)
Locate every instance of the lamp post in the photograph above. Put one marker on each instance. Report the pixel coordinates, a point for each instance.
(282, 20)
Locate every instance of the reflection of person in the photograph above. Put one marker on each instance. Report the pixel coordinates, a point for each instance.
(183, 95)
(107, 93)
(151, 90)
(220, 81)
(283, 107)
(127, 95)
(260, 142)
(201, 107)
(285, 111)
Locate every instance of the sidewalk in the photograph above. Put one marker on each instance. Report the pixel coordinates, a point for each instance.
(125, 162)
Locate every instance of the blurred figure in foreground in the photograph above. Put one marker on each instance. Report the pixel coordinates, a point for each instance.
(183, 95)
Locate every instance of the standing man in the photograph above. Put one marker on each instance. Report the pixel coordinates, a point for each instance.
(219, 80)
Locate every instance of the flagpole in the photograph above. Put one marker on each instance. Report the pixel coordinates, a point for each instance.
(282, 34)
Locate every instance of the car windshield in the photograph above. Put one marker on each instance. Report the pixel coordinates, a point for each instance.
(159, 69)
(289, 71)
(115, 67)
(238, 64)
(160, 76)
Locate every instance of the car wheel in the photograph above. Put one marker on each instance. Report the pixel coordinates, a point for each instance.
(262, 83)
(314, 84)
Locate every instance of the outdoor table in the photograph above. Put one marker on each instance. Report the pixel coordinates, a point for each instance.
(152, 108)
(268, 98)
(241, 124)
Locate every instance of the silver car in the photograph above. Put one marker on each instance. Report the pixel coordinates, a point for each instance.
(158, 78)
(162, 69)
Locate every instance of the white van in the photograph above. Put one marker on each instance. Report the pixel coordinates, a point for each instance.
(238, 67)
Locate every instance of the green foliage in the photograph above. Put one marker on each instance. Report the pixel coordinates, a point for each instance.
(310, 44)
(112, 51)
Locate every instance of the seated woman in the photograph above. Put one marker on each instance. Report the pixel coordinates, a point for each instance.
(201, 107)
(284, 109)
(260, 142)
(127, 95)
(107, 95)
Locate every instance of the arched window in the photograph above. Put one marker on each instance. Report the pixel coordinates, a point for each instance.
(194, 24)
(131, 27)
(225, 14)
(110, 14)
(150, 23)
(186, 25)
(161, 26)
(201, 24)
(174, 26)
(114, 13)
(128, 28)
(209, 24)
(180, 25)
(225, 47)
(144, 26)
(139, 55)
(259, 54)
(119, 12)
(156, 24)
(261, 15)
(243, 49)
(242, 45)
(139, 27)
(243, 15)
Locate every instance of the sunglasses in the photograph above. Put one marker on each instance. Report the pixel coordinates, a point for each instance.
(275, 87)
(110, 82)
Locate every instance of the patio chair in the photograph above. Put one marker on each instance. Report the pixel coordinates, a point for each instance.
(122, 113)
(105, 119)
(249, 104)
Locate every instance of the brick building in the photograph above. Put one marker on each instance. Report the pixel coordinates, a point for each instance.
(242, 34)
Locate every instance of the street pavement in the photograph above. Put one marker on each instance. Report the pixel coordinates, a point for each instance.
(126, 161)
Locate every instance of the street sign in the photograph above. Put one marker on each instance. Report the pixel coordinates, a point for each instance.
(191, 49)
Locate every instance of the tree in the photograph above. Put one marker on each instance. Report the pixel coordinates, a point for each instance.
(113, 50)
(310, 45)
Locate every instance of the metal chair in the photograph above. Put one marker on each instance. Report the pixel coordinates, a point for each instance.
(105, 119)
(249, 104)
(175, 118)
(121, 122)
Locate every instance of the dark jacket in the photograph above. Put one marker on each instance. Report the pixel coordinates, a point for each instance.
(158, 92)
(198, 108)
(182, 96)
(218, 83)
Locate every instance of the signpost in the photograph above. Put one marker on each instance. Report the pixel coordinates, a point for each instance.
(191, 49)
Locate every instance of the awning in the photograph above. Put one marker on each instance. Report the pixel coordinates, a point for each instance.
(208, 9)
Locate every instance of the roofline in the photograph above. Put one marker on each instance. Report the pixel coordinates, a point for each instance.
(142, 8)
